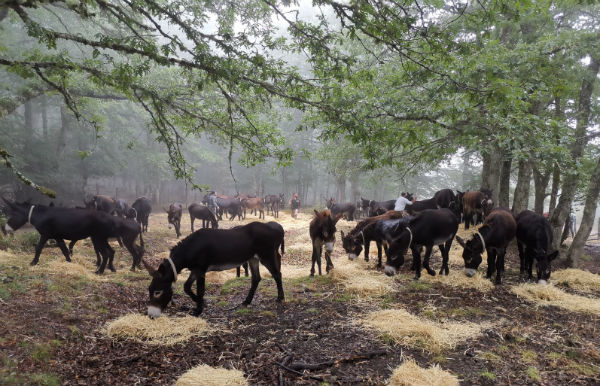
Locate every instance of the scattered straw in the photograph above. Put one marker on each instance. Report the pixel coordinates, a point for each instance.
(409, 373)
(459, 279)
(359, 280)
(211, 376)
(549, 295)
(578, 279)
(410, 330)
(160, 331)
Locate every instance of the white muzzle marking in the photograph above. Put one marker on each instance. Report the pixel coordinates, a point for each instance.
(490, 202)
(329, 246)
(352, 256)
(389, 270)
(470, 272)
(153, 311)
(170, 226)
(542, 282)
(8, 229)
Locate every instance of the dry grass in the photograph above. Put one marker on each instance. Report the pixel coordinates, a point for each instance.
(409, 373)
(160, 331)
(410, 330)
(359, 280)
(549, 295)
(459, 279)
(211, 376)
(578, 279)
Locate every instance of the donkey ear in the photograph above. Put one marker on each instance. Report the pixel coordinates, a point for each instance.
(317, 213)
(165, 209)
(151, 270)
(461, 241)
(553, 255)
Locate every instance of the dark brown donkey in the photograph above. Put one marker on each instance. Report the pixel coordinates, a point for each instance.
(476, 204)
(202, 212)
(322, 232)
(255, 203)
(174, 216)
(215, 250)
(493, 236)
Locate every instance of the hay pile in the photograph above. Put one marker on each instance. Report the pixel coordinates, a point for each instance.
(459, 279)
(359, 280)
(160, 331)
(409, 373)
(211, 376)
(578, 279)
(410, 330)
(549, 295)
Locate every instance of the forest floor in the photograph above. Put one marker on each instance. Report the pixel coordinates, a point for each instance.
(53, 318)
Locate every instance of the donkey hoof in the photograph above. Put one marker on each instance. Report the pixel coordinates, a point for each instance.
(99, 272)
(431, 272)
(196, 312)
(113, 269)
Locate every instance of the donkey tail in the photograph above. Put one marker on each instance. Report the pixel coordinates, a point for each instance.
(282, 246)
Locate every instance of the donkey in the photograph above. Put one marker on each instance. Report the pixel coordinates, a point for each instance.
(255, 203)
(274, 202)
(73, 224)
(101, 203)
(174, 216)
(421, 205)
(121, 208)
(322, 232)
(355, 240)
(476, 203)
(534, 240)
(369, 206)
(215, 250)
(493, 236)
(143, 208)
(202, 212)
(347, 209)
(231, 205)
(431, 227)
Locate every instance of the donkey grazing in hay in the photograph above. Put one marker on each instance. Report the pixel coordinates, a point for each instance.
(202, 212)
(75, 224)
(493, 236)
(356, 239)
(534, 240)
(215, 250)
(322, 232)
(431, 227)
(174, 216)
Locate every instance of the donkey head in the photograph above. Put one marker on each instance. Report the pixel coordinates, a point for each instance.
(396, 251)
(544, 264)
(472, 250)
(352, 244)
(17, 216)
(160, 289)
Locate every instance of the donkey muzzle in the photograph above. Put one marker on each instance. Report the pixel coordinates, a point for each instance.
(389, 270)
(154, 312)
(542, 282)
(6, 229)
(352, 256)
(470, 272)
(329, 246)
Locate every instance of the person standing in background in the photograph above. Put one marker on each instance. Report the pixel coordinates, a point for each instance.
(402, 201)
(572, 223)
(212, 203)
(295, 205)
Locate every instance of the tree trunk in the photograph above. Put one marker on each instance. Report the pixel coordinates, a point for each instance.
(554, 190)
(44, 109)
(540, 184)
(587, 221)
(354, 187)
(570, 181)
(503, 193)
(490, 176)
(521, 196)
(465, 170)
(340, 184)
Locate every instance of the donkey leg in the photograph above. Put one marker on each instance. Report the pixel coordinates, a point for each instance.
(491, 260)
(131, 247)
(71, 245)
(254, 269)
(38, 249)
(445, 249)
(111, 256)
(100, 246)
(245, 265)
(314, 260)
(319, 254)
(200, 287)
(416, 262)
(367, 244)
(428, 250)
(273, 266)
(379, 255)
(523, 265)
(187, 286)
(500, 265)
(63, 248)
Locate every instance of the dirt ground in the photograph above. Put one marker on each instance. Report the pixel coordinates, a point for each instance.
(52, 320)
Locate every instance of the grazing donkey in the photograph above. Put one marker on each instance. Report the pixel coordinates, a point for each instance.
(280, 244)
(431, 227)
(174, 216)
(497, 231)
(322, 232)
(215, 250)
(356, 240)
(534, 240)
(202, 212)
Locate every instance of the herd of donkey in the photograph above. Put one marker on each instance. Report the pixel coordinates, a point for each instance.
(423, 224)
